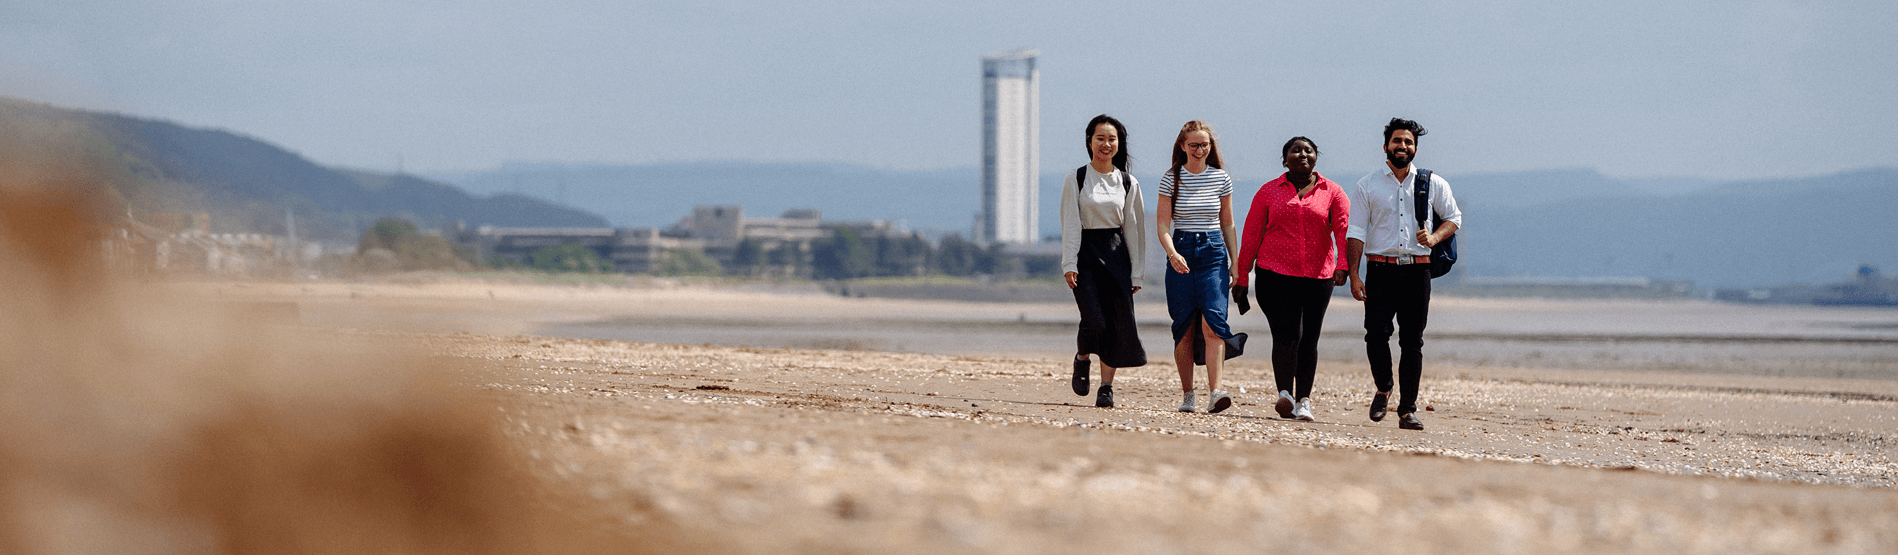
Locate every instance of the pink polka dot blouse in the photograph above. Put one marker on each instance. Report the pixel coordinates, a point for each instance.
(1293, 235)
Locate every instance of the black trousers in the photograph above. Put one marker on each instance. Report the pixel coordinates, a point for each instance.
(1402, 292)
(1104, 293)
(1295, 308)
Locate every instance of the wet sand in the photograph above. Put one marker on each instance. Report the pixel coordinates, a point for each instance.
(983, 449)
(1683, 336)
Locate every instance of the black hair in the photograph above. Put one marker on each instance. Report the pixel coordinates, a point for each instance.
(1416, 131)
(1120, 156)
(1287, 151)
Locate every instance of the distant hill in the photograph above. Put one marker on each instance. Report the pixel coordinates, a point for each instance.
(1742, 233)
(246, 184)
(660, 194)
(1554, 223)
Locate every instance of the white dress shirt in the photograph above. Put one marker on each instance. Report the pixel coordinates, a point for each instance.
(1384, 211)
(1108, 200)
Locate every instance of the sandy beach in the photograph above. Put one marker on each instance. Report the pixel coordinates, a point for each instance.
(944, 434)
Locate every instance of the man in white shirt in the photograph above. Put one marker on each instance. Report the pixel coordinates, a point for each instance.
(1396, 283)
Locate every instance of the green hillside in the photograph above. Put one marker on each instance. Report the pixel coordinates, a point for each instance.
(146, 168)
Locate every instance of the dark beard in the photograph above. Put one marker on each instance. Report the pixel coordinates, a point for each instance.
(1397, 158)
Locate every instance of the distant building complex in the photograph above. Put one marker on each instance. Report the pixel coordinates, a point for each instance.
(183, 243)
(720, 232)
(1011, 149)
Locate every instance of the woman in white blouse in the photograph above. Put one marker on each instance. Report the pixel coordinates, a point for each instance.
(1103, 241)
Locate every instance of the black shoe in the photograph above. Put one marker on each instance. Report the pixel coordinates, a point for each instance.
(1378, 404)
(1105, 398)
(1080, 376)
(1409, 422)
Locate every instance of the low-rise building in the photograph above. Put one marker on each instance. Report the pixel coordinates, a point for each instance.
(765, 246)
(182, 244)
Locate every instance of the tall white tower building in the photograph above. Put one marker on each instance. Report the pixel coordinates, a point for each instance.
(1011, 149)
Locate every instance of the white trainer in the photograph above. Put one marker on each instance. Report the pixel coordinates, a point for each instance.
(1219, 401)
(1187, 405)
(1303, 412)
(1284, 405)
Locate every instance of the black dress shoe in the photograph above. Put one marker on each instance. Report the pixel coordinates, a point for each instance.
(1080, 376)
(1409, 422)
(1378, 403)
(1105, 398)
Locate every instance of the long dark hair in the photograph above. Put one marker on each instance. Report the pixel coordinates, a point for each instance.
(1179, 149)
(1120, 156)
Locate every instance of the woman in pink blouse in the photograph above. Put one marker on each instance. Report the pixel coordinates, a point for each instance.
(1294, 235)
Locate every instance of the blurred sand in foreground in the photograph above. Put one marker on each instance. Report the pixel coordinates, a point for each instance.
(137, 421)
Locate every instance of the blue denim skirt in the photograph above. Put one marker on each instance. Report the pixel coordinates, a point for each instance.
(1202, 292)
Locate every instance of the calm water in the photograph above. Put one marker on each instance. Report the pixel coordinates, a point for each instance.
(1662, 336)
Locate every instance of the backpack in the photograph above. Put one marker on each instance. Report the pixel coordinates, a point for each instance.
(1442, 256)
(1080, 182)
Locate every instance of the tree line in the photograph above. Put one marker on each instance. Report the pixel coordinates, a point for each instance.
(394, 244)
(847, 254)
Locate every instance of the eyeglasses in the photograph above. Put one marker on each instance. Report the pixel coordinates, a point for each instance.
(1197, 146)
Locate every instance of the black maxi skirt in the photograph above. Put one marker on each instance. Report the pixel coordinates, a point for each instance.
(1104, 293)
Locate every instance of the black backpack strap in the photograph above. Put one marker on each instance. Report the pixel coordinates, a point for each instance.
(1422, 182)
(1080, 178)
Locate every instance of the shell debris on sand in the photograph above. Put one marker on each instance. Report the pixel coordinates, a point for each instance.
(866, 451)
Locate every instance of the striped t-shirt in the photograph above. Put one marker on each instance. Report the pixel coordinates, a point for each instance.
(1196, 207)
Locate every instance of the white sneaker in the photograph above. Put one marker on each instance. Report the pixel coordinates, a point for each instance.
(1187, 405)
(1219, 400)
(1303, 412)
(1284, 405)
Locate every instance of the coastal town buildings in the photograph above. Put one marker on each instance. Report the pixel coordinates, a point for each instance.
(174, 243)
(721, 233)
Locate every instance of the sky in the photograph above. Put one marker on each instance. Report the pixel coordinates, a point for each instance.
(1718, 90)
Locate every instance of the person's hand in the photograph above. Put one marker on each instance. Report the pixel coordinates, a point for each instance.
(1074, 280)
(1339, 277)
(1357, 288)
(1239, 298)
(1427, 239)
(1178, 262)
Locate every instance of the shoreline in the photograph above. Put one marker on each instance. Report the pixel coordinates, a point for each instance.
(1681, 337)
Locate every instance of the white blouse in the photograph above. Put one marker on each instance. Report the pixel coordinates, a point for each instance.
(1108, 200)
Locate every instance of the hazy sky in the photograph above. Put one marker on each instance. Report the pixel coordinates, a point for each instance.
(1634, 88)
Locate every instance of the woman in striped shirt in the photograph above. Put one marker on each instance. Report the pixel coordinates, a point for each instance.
(1295, 232)
(1194, 218)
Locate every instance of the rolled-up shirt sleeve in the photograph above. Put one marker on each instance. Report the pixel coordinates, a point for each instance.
(1133, 225)
(1442, 201)
(1359, 218)
(1251, 236)
(1340, 228)
(1070, 226)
